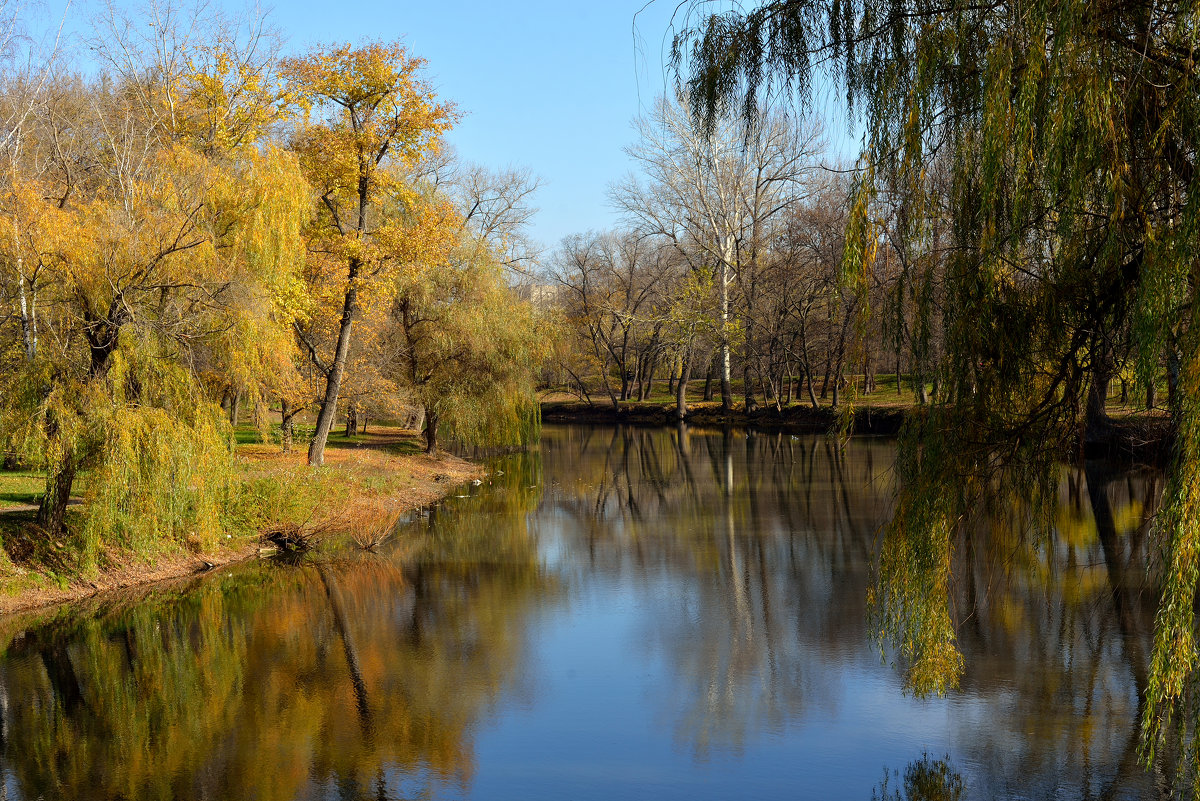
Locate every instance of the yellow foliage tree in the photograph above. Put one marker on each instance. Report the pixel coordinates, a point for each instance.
(153, 251)
(459, 343)
(368, 117)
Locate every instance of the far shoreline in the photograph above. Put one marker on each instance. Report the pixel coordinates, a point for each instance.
(1138, 437)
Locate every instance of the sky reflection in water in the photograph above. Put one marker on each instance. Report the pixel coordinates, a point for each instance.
(624, 614)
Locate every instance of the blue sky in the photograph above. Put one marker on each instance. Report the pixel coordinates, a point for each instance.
(548, 85)
(552, 86)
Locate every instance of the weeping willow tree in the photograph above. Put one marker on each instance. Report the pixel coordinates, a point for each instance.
(144, 233)
(456, 340)
(1039, 159)
(114, 388)
(466, 350)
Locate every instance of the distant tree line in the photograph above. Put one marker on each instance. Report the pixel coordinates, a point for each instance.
(732, 269)
(729, 269)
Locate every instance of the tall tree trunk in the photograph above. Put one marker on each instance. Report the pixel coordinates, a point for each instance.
(603, 356)
(606, 376)
(681, 387)
(645, 379)
(235, 408)
(52, 509)
(723, 280)
(333, 379)
(1096, 418)
(431, 427)
(772, 391)
(102, 342)
(286, 413)
(837, 382)
(612, 395)
(1151, 394)
(28, 302)
(748, 389)
(749, 356)
(708, 380)
(808, 383)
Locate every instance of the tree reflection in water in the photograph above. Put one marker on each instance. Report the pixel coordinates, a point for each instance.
(925, 779)
(751, 556)
(354, 677)
(778, 537)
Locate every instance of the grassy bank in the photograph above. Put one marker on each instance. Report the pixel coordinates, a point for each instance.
(367, 482)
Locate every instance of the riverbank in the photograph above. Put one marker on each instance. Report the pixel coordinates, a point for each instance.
(881, 420)
(366, 483)
(1138, 436)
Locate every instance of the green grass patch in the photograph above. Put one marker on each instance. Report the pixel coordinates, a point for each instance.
(246, 434)
(19, 487)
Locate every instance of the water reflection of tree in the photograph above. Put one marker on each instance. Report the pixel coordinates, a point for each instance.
(1060, 618)
(925, 779)
(364, 678)
(770, 540)
(353, 677)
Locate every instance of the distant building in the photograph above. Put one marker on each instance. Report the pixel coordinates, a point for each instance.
(541, 296)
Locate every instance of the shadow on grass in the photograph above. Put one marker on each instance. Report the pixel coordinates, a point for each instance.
(18, 498)
(29, 546)
(391, 442)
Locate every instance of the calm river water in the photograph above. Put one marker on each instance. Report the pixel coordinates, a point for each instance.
(622, 614)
